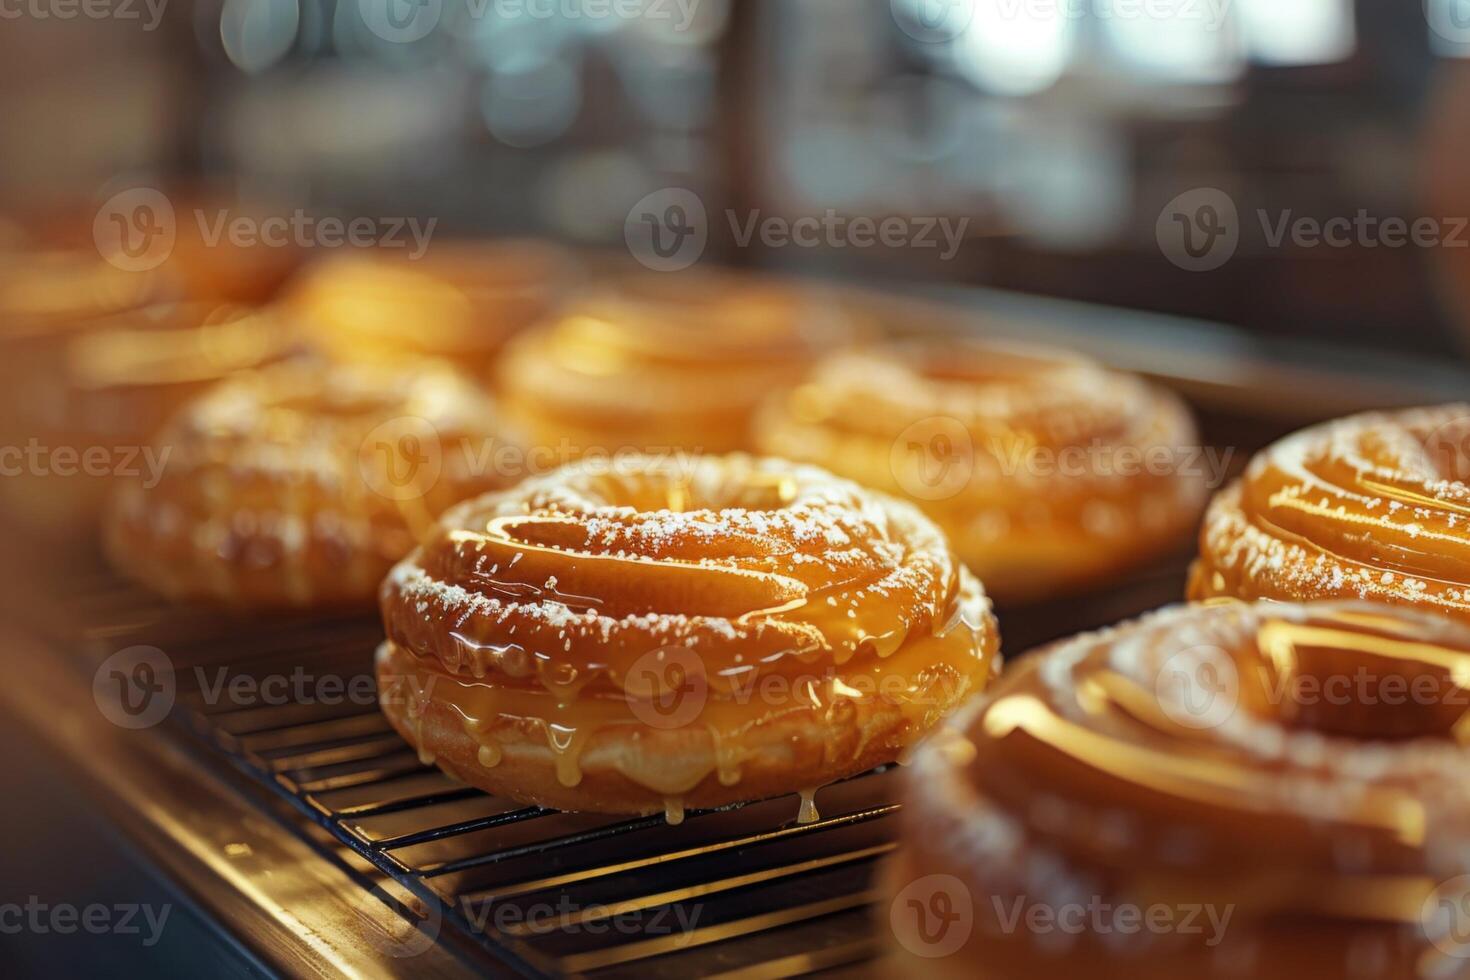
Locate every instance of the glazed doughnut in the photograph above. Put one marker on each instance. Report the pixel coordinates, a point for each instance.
(460, 301)
(677, 361)
(1215, 790)
(1375, 506)
(97, 389)
(647, 635)
(1046, 470)
(301, 484)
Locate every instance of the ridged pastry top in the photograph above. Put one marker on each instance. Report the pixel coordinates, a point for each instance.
(1252, 759)
(309, 478)
(1037, 462)
(755, 566)
(1375, 506)
(680, 361)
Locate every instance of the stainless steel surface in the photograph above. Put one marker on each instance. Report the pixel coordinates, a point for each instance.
(298, 912)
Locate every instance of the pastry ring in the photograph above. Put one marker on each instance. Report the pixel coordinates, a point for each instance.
(1273, 790)
(99, 388)
(1046, 470)
(646, 635)
(1375, 506)
(461, 301)
(677, 361)
(301, 484)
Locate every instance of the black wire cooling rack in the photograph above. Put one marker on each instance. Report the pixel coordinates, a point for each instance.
(743, 891)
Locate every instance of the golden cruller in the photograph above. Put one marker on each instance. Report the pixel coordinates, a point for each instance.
(544, 642)
(1330, 826)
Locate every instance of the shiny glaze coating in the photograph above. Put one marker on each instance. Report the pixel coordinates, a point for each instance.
(614, 637)
(1046, 470)
(1284, 785)
(1375, 506)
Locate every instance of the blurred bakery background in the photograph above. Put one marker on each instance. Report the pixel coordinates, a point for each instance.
(1059, 130)
(1279, 181)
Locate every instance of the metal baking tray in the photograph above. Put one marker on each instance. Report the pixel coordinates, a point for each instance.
(318, 838)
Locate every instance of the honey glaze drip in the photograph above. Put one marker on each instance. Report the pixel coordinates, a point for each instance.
(1205, 755)
(775, 603)
(1375, 506)
(807, 811)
